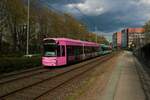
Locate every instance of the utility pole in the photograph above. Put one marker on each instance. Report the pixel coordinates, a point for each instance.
(28, 28)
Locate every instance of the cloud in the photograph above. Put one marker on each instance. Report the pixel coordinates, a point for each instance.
(107, 15)
(146, 2)
(88, 7)
(143, 2)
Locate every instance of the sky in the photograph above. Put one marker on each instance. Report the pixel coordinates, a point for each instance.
(105, 16)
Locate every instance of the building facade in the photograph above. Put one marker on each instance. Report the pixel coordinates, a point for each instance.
(132, 37)
(114, 40)
(124, 40)
(117, 37)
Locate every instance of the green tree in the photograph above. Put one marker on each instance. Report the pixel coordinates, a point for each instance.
(3, 20)
(17, 18)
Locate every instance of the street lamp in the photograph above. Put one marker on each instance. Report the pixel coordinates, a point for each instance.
(28, 28)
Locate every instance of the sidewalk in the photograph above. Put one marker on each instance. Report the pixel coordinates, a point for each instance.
(125, 83)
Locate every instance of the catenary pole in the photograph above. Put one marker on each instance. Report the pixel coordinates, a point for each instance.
(28, 28)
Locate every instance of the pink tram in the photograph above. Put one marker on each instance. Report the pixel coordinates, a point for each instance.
(63, 51)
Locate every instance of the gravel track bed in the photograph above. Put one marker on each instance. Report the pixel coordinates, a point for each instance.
(75, 87)
(17, 73)
(12, 86)
(22, 75)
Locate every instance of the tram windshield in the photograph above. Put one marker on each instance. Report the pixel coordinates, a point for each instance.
(50, 50)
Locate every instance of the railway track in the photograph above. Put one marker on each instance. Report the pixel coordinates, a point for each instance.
(22, 75)
(19, 73)
(70, 79)
(38, 88)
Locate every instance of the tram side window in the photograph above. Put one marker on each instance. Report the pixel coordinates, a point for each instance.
(86, 50)
(80, 50)
(68, 50)
(89, 49)
(58, 51)
(95, 49)
(63, 50)
(74, 50)
(77, 50)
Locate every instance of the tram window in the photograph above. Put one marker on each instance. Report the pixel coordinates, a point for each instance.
(58, 51)
(86, 50)
(72, 50)
(80, 50)
(77, 50)
(68, 50)
(50, 50)
(63, 50)
(89, 49)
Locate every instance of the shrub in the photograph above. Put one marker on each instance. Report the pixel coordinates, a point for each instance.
(9, 64)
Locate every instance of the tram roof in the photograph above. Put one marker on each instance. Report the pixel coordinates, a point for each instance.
(72, 40)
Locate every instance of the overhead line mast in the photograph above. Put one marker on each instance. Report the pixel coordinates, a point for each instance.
(28, 28)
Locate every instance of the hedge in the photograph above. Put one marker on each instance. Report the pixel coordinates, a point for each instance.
(9, 64)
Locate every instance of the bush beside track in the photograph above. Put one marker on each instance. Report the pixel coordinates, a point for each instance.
(10, 64)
